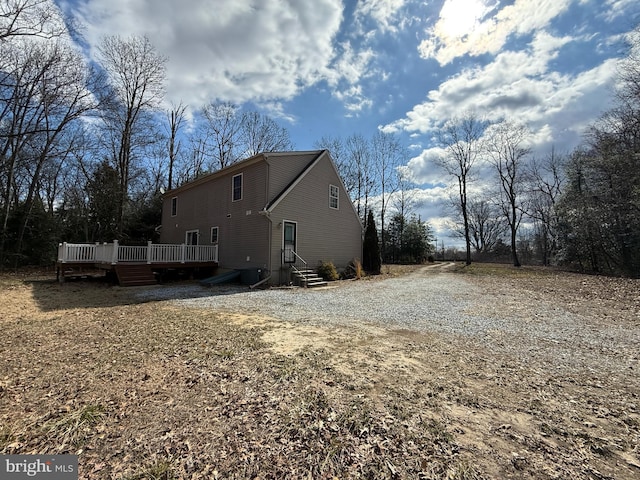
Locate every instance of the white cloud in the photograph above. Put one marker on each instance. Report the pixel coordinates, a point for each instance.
(423, 169)
(431, 205)
(226, 49)
(617, 8)
(344, 76)
(385, 13)
(519, 85)
(446, 41)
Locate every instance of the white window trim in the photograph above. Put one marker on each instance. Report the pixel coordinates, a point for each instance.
(233, 187)
(186, 236)
(217, 229)
(336, 197)
(295, 242)
(174, 201)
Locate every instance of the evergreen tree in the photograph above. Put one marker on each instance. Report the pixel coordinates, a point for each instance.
(371, 249)
(417, 241)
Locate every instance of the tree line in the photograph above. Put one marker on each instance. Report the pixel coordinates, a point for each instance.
(87, 148)
(579, 209)
(374, 173)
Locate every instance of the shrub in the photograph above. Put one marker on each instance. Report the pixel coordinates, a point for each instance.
(327, 271)
(354, 270)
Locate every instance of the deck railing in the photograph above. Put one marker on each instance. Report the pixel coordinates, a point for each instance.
(113, 253)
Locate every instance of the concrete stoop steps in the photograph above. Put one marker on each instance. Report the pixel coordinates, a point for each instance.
(309, 279)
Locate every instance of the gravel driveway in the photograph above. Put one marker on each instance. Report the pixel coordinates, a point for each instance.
(531, 329)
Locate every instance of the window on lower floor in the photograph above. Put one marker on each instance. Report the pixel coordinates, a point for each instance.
(191, 237)
(214, 235)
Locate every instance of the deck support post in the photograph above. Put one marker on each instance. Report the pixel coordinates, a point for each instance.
(114, 256)
(182, 252)
(149, 250)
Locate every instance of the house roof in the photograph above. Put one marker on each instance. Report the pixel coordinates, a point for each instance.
(319, 155)
(315, 157)
(237, 167)
(276, 200)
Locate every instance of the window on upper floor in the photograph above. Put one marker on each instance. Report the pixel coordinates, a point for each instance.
(236, 186)
(174, 206)
(333, 196)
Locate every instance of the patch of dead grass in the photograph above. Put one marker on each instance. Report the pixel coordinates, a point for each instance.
(145, 391)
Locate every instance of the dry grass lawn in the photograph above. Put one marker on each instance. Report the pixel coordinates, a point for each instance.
(155, 391)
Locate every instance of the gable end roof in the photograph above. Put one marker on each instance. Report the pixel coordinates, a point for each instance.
(285, 191)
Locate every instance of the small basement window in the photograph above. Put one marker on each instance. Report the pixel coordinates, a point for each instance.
(333, 196)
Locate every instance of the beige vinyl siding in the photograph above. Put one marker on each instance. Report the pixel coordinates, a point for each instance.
(323, 233)
(210, 204)
(283, 169)
(295, 186)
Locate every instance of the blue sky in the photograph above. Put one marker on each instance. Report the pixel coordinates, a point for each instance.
(333, 68)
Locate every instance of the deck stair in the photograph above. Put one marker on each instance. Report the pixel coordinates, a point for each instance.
(309, 279)
(131, 275)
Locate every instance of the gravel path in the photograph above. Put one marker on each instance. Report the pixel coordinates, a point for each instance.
(438, 302)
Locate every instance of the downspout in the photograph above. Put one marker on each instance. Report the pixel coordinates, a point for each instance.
(267, 214)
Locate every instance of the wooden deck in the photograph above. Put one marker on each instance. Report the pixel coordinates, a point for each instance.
(133, 265)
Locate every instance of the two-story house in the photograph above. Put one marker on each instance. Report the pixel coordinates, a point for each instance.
(268, 212)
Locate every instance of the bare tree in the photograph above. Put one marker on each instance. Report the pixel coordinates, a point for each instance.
(461, 140)
(404, 198)
(486, 225)
(136, 75)
(176, 118)
(387, 155)
(546, 178)
(30, 18)
(260, 133)
(221, 133)
(508, 153)
(359, 155)
(48, 89)
(340, 157)
(628, 92)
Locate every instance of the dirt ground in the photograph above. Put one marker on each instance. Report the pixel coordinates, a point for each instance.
(150, 390)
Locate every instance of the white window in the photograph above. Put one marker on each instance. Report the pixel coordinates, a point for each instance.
(191, 237)
(174, 206)
(214, 235)
(236, 186)
(333, 196)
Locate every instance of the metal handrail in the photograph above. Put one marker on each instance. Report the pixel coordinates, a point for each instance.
(297, 270)
(299, 258)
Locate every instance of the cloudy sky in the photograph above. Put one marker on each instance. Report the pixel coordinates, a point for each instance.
(337, 67)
